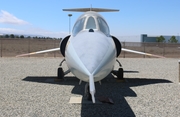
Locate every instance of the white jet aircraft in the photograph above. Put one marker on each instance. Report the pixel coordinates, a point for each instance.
(90, 51)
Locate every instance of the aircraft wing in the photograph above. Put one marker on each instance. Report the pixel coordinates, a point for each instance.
(138, 52)
(58, 49)
(39, 52)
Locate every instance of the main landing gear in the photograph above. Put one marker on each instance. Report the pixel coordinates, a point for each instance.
(119, 73)
(60, 72)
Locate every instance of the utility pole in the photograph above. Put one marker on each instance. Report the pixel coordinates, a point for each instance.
(69, 23)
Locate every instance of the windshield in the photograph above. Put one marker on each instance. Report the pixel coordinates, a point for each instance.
(103, 27)
(78, 26)
(91, 21)
(91, 24)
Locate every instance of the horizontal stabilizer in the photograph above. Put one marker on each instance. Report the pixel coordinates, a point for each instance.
(91, 9)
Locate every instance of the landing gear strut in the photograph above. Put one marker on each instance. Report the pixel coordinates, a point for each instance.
(60, 72)
(87, 92)
(119, 73)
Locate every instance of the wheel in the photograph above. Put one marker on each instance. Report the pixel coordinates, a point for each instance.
(120, 73)
(60, 73)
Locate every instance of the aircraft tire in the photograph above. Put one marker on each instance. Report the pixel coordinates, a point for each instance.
(120, 73)
(60, 74)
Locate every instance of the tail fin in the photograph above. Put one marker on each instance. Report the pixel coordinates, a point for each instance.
(91, 9)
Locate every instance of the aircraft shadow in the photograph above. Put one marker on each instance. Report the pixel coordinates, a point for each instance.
(131, 71)
(109, 88)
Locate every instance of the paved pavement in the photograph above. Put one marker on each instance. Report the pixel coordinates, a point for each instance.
(27, 88)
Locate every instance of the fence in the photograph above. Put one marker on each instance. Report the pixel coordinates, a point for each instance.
(13, 47)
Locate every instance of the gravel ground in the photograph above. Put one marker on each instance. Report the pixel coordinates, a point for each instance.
(26, 89)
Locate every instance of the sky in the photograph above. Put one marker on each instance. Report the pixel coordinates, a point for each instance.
(46, 18)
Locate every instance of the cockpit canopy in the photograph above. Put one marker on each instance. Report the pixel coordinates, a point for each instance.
(91, 20)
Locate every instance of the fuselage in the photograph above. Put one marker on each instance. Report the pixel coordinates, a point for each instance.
(90, 50)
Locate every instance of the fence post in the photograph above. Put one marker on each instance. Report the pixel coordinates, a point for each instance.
(28, 47)
(54, 47)
(163, 49)
(179, 71)
(1, 47)
(144, 49)
(124, 47)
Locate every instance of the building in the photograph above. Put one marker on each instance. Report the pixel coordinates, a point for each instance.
(146, 38)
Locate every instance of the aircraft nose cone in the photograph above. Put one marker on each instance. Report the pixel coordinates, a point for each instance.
(91, 49)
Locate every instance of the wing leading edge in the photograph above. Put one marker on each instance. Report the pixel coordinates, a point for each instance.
(39, 52)
(57, 49)
(138, 52)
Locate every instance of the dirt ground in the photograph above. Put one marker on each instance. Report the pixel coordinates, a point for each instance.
(13, 47)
